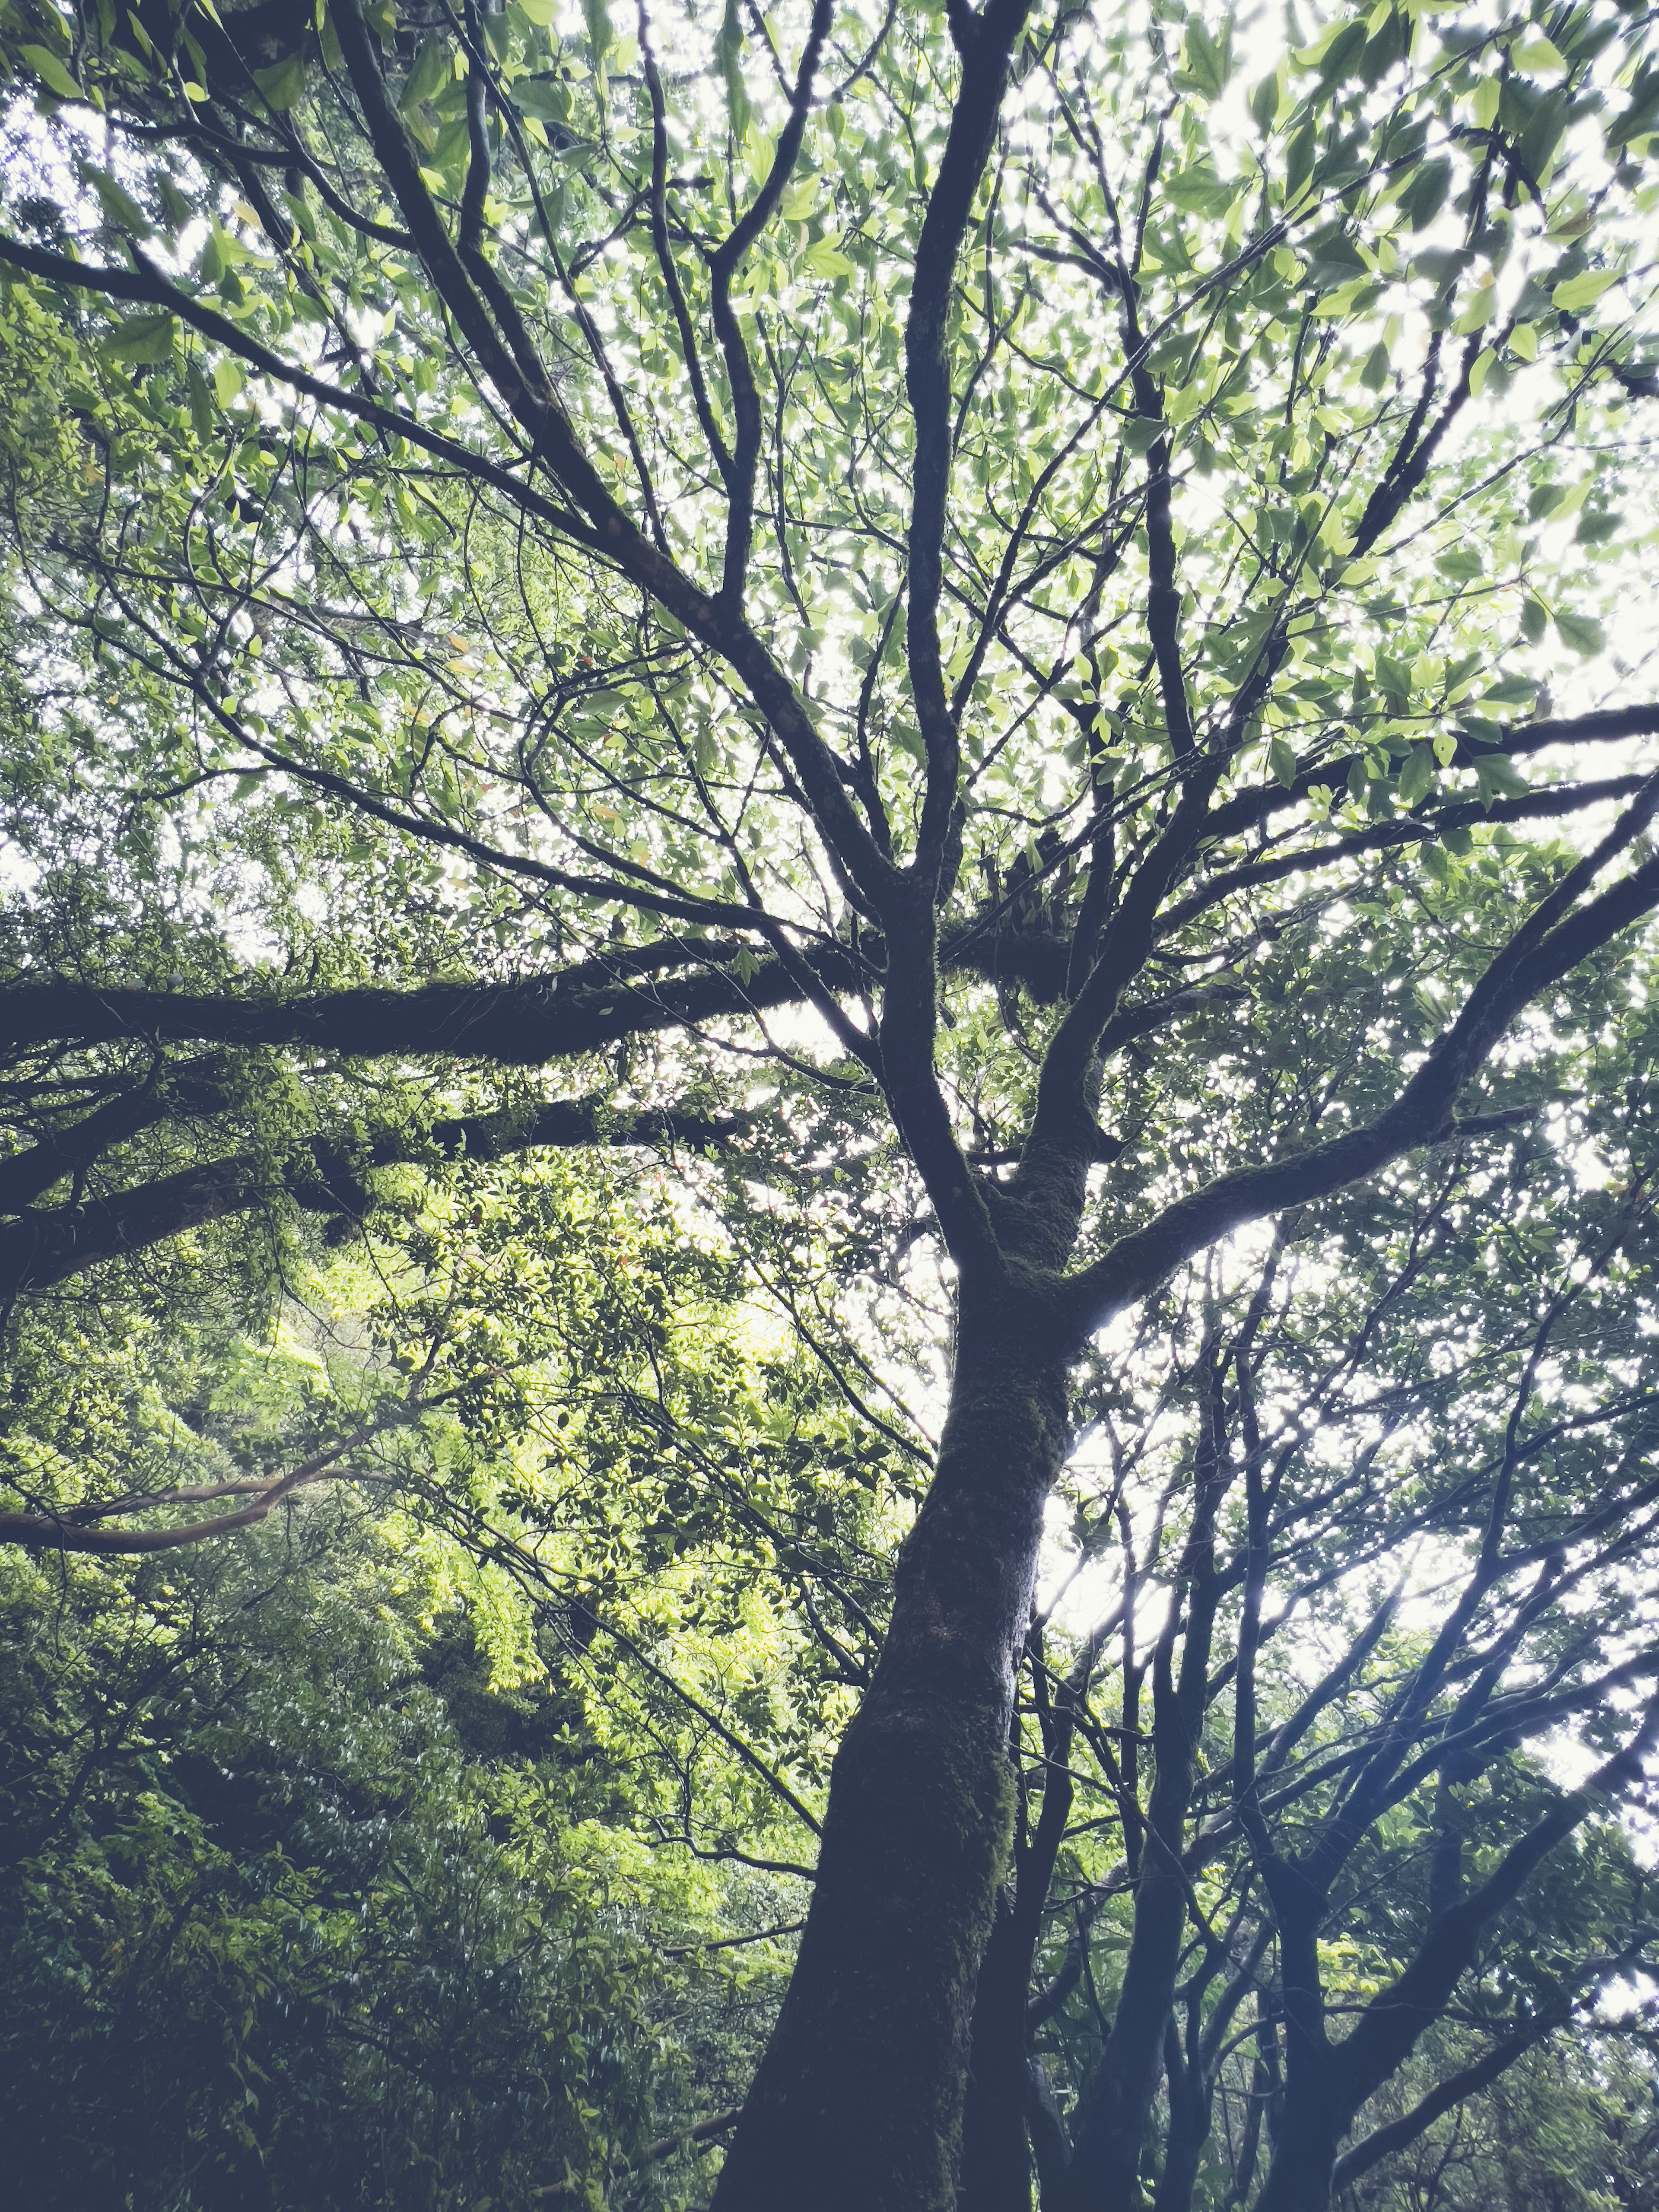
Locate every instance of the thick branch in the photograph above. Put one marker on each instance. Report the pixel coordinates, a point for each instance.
(1546, 948)
(1383, 2142)
(39, 1250)
(523, 1023)
(986, 42)
(739, 370)
(202, 1087)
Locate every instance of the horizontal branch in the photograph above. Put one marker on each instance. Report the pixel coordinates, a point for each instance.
(523, 1021)
(1607, 725)
(48, 1531)
(39, 1250)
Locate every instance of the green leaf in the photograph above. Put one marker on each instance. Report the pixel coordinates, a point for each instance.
(1342, 56)
(826, 259)
(1206, 65)
(1538, 56)
(728, 60)
(1424, 195)
(1584, 291)
(145, 338)
(430, 72)
(601, 34)
(201, 402)
(1538, 142)
(1298, 162)
(1281, 759)
(1462, 563)
(1581, 632)
(1497, 776)
(1375, 373)
(119, 205)
(179, 209)
(1198, 190)
(1478, 313)
(283, 86)
(1417, 774)
(52, 72)
(1515, 690)
(535, 96)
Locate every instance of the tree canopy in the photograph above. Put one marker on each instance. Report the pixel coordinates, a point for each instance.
(829, 864)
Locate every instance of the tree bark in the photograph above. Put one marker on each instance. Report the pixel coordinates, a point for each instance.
(859, 2099)
(1104, 2173)
(1007, 2091)
(1305, 2158)
(1189, 2130)
(996, 2157)
(1310, 2124)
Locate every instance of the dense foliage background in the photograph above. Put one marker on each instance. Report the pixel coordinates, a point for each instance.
(661, 708)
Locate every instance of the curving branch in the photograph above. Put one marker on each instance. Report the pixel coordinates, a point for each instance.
(46, 1532)
(723, 265)
(1548, 946)
(985, 43)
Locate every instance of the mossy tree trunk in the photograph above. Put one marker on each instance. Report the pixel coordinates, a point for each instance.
(859, 2099)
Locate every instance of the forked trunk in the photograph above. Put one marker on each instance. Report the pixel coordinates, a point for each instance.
(1110, 2130)
(1189, 2130)
(858, 2102)
(1305, 2158)
(1181, 2159)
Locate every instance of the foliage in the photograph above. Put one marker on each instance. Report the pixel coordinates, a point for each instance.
(279, 1932)
(1000, 631)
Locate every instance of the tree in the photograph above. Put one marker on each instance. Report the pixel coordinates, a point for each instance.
(304, 1904)
(342, 1863)
(966, 531)
(1407, 1440)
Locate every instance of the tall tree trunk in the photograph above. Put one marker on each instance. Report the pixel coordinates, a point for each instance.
(1109, 2131)
(1006, 2114)
(858, 2102)
(1305, 2158)
(1190, 2091)
(996, 2155)
(1111, 2125)
(1051, 2141)
(1182, 2155)
(1314, 2116)
(1264, 2090)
